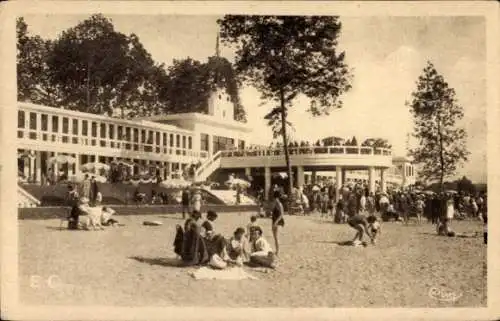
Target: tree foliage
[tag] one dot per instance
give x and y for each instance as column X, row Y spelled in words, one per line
column 97, row 68
column 376, row 143
column 33, row 82
column 191, row 83
column 442, row 143
column 287, row 56
column 94, row 68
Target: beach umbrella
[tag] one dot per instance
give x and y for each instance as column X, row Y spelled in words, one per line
column 95, row 166
column 237, row 181
column 450, row 191
column 61, row 159
column 282, row 175
column 428, row 192
column 175, row 183
column 124, row 163
column 81, row 176
column 316, row 188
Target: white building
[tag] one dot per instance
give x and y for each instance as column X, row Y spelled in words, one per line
column 165, row 144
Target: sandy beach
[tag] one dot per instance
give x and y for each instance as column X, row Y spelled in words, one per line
column 134, row 265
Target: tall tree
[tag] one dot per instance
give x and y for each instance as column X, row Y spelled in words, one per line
column 192, row 82
column 97, row 68
column 33, row 81
column 442, row 143
column 288, row 56
column 188, row 88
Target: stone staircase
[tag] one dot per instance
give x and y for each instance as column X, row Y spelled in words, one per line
column 25, row 199
column 229, row 197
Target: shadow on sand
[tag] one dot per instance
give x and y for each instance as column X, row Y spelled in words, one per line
column 162, row 261
column 341, row 243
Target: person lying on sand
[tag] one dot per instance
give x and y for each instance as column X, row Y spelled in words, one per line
column 106, row 219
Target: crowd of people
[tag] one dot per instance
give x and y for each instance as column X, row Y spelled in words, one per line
column 438, row 208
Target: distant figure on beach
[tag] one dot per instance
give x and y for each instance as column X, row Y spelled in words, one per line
column 86, row 186
column 196, row 201
column 277, row 218
column 360, row 224
column 185, row 202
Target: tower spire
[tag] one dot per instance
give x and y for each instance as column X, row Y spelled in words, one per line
column 217, row 46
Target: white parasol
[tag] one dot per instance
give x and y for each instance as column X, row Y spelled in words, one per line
column 237, row 181
column 61, row 159
column 175, row 183
column 81, row 176
column 95, row 166
column 316, row 188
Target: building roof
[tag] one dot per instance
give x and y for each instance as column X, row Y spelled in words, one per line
column 201, row 118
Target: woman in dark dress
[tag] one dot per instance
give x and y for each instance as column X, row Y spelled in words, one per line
column 277, row 218
column 75, row 211
column 194, row 250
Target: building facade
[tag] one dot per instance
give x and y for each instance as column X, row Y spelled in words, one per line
column 163, row 145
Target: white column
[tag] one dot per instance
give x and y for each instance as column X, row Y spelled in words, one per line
column 371, row 180
column 300, row 176
column 32, row 166
column 267, row 182
column 70, row 130
column 38, row 165
column 55, row 168
column 383, row 183
column 77, row 163
column 49, row 127
column 210, row 145
column 248, row 172
column 26, row 167
column 338, row 182
column 313, row 177
column 139, row 141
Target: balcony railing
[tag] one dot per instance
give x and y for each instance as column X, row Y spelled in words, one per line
column 315, row 150
column 112, row 144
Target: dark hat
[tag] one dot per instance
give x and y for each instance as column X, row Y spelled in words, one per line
column 239, row 230
column 211, row 215
column 256, row 228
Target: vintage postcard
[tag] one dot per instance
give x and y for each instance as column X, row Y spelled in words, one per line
column 249, row 160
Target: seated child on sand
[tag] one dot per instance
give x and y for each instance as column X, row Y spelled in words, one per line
column 262, row 253
column 236, row 251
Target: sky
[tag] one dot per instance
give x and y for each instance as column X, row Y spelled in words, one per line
column 387, row 54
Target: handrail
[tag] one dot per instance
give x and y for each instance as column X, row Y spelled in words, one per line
column 209, row 162
column 305, row 150
column 28, row 195
column 114, row 144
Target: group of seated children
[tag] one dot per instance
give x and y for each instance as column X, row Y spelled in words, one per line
column 199, row 244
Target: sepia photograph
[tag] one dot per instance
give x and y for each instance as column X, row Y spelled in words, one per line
column 270, row 159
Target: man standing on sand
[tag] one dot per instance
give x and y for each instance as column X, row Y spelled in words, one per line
column 86, row 187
